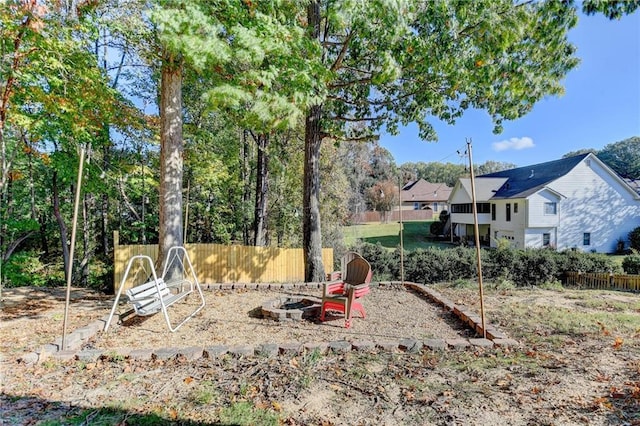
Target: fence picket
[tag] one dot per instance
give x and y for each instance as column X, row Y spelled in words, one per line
column 603, row 281
column 218, row 263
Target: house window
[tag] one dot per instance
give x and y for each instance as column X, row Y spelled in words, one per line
column 515, row 208
column 416, row 206
column 546, row 239
column 508, row 212
column 550, row 208
column 586, row 239
column 435, row 207
column 468, row 208
column 493, row 212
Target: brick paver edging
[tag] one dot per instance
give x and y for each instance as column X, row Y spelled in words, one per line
column 75, row 340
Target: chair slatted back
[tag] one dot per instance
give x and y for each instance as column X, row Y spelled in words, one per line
column 358, row 271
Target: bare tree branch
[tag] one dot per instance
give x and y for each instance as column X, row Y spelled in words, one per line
column 343, row 52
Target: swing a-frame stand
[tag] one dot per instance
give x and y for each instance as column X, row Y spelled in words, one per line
column 178, row 280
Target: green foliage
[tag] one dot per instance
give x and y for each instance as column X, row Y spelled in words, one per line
column 468, row 47
column 100, row 275
column 463, row 283
column 384, row 263
column 634, row 239
column 623, row 157
column 436, row 265
column 436, row 228
column 552, row 285
column 244, row 413
column 505, row 267
column 448, row 173
column 631, row 263
column 612, row 9
column 24, row 269
column 587, row 262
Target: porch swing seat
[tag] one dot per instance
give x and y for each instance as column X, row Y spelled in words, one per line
column 148, row 298
column 158, row 294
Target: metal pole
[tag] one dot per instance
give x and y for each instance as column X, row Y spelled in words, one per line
column 186, row 215
column 72, row 248
column 401, row 230
column 477, row 237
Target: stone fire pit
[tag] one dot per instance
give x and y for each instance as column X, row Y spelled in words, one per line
column 292, row 308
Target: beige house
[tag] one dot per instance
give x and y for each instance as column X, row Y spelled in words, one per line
column 423, row 195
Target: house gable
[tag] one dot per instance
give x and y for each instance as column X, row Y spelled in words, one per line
column 575, row 202
column 485, row 190
column 421, row 191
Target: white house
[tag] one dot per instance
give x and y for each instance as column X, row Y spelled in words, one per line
column 573, row 203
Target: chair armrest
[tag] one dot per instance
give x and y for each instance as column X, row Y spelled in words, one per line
column 333, row 288
column 334, row 276
column 359, row 290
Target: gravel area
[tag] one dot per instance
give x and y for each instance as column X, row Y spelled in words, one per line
column 234, row 318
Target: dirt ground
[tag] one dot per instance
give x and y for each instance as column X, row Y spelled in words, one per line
column 579, row 364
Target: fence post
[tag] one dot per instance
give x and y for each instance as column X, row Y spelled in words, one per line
column 611, row 280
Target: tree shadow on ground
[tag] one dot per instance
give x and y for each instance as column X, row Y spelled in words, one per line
column 23, row 410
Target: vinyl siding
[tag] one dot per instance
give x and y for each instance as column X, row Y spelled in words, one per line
column 512, row 230
column 596, row 203
column 533, row 237
column 536, row 205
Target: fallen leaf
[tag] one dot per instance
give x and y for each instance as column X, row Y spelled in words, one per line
column 261, row 405
column 188, row 380
column 618, row 343
column 603, row 329
column 616, row 393
column 276, row 406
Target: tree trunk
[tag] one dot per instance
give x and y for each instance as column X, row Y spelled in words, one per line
column 311, row 231
column 87, row 205
column 104, row 199
column 61, row 225
column 262, row 188
column 246, row 191
column 44, row 243
column 171, row 159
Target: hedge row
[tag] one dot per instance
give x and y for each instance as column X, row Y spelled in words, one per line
column 523, row 268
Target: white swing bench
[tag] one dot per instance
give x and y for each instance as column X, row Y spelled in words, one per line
column 158, row 294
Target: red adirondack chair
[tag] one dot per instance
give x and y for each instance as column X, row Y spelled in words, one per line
column 344, row 260
column 343, row 295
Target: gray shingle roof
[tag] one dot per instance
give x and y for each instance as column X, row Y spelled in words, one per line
column 524, row 181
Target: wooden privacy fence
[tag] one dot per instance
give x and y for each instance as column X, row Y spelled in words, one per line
column 604, row 281
column 218, row 263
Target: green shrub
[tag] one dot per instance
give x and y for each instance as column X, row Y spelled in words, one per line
column 587, row 262
column 383, row 262
column 634, row 238
column 504, row 265
column 24, row 269
column 436, row 265
column 100, row 276
column 631, row 263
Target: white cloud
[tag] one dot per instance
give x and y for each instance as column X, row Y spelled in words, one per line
column 513, row 143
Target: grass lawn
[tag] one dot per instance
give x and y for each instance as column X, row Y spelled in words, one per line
column 388, row 235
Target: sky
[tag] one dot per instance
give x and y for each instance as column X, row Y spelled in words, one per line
column 601, row 105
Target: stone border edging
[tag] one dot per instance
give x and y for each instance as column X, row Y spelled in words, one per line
column 75, row 340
